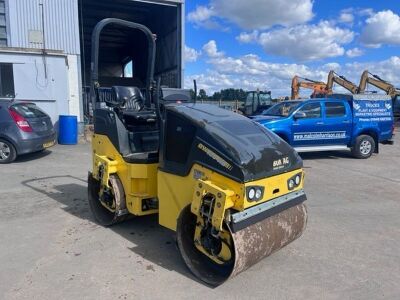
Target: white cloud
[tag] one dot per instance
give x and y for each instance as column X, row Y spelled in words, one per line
column 246, row 37
column 251, row 72
column 200, row 14
column 262, row 14
column 381, row 28
column 248, row 72
column 307, row 42
column 355, row 12
column 331, row 66
column 259, row 14
column 191, row 55
column 388, row 69
column 211, row 81
column 365, row 12
column 355, row 52
column 211, row 49
column 300, row 42
column 346, row 17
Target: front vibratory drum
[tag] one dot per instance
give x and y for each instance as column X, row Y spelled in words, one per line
column 251, row 244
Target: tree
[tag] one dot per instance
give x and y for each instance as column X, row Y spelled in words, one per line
column 216, row 96
column 229, row 95
column 203, row 94
column 192, row 95
column 241, row 95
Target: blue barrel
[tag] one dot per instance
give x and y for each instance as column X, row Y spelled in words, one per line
column 68, row 130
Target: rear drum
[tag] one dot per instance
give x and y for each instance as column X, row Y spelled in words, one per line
column 102, row 215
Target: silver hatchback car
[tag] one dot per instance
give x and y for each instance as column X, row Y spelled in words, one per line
column 24, row 128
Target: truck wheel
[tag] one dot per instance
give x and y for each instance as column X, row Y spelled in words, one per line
column 363, row 147
column 7, row 152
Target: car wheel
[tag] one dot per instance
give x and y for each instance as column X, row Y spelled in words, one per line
column 364, row 147
column 7, row 152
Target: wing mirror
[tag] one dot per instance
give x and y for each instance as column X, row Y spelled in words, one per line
column 299, row 115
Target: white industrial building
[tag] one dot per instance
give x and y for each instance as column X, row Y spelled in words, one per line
column 45, row 48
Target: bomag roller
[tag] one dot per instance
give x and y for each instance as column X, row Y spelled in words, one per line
column 230, row 189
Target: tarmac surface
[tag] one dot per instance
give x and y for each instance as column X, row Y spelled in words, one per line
column 50, row 247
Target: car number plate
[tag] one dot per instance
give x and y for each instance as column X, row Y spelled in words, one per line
column 49, row 144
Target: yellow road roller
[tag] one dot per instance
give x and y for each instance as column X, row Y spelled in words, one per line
column 230, row 189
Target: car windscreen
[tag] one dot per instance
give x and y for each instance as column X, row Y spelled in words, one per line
column 28, row 110
column 265, row 99
column 282, row 109
column 249, row 99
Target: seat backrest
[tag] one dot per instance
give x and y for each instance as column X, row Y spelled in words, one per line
column 129, row 97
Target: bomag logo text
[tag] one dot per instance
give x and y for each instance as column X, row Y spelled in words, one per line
column 215, row 156
column 280, row 163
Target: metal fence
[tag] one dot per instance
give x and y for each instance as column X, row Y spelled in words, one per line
column 228, row 104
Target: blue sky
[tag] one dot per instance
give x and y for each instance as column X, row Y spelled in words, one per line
column 264, row 43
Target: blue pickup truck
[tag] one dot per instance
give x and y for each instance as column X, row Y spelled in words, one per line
column 356, row 122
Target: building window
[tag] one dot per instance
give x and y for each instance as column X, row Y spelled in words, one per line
column 7, row 81
column 3, row 24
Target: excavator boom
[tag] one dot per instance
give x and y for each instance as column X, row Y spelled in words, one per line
column 318, row 87
column 375, row 80
column 388, row 88
column 333, row 78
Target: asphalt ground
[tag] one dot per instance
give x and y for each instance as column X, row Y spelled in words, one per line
column 50, row 247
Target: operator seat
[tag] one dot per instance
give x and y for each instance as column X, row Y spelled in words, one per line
column 131, row 106
column 129, row 97
column 141, row 124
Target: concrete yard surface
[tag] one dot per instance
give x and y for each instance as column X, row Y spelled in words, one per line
column 51, row 248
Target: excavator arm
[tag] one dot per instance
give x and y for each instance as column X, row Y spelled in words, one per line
column 318, row 87
column 342, row 81
column 375, row 80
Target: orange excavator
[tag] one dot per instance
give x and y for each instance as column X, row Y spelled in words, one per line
column 333, row 78
column 318, row 87
column 321, row 88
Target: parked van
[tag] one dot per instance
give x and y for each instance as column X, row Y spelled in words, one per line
column 356, row 122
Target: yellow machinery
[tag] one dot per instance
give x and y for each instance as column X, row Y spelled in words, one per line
column 256, row 102
column 375, row 80
column 230, row 189
column 318, row 87
column 342, row 81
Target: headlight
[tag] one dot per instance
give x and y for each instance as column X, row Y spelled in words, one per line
column 294, row 181
column 258, row 193
column 254, row 193
column 291, row 184
column 297, row 179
